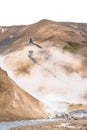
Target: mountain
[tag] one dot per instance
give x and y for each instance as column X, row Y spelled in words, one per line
column 15, row 103
column 48, row 59
column 71, row 36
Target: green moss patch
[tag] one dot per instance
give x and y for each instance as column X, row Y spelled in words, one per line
column 72, row 46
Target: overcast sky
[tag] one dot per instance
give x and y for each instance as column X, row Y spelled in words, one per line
column 15, row 12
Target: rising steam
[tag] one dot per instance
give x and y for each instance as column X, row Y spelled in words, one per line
column 55, row 80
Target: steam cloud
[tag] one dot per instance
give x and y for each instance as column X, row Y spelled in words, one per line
column 55, row 81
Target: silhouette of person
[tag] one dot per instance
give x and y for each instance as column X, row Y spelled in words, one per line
column 30, row 40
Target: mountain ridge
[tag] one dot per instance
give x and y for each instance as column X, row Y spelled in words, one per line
column 14, row 37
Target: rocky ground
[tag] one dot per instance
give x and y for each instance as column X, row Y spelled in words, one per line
column 79, row 124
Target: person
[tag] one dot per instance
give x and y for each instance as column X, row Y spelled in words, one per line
column 30, row 53
column 30, row 40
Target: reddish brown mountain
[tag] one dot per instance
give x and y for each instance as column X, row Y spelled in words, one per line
column 71, row 36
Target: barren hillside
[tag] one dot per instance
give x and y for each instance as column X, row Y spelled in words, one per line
column 15, row 103
column 71, row 36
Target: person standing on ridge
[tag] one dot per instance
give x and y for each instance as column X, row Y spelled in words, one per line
column 31, row 40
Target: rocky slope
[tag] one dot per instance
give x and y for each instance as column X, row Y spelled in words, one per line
column 15, row 103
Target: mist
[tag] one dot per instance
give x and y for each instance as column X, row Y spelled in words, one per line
column 56, row 80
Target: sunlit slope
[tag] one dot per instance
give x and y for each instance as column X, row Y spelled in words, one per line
column 15, row 103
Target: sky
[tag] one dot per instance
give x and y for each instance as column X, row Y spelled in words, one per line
column 16, row 12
